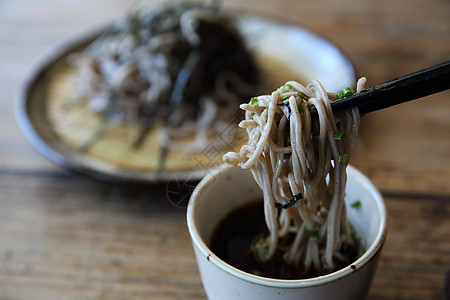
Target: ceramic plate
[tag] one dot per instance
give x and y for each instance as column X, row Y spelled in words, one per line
column 285, row 52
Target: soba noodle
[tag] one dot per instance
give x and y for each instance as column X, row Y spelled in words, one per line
column 182, row 66
column 300, row 165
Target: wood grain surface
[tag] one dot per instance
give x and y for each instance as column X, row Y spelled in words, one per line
column 66, row 236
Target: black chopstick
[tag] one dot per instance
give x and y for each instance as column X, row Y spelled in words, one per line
column 406, row 88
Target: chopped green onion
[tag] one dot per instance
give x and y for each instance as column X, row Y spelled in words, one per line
column 356, row 204
column 302, row 95
column 291, row 89
column 311, row 232
column 339, row 136
column 354, row 233
column 284, row 102
column 314, row 234
column 300, row 108
column 254, row 102
column 259, row 251
column 343, row 158
column 342, row 230
column 348, row 91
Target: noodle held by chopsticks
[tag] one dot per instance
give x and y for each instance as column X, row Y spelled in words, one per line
column 300, row 165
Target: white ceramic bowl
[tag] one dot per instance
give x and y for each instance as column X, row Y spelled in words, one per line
column 230, row 187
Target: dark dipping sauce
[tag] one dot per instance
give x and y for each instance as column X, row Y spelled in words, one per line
column 234, row 237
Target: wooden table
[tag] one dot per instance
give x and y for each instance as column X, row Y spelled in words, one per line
column 66, row 236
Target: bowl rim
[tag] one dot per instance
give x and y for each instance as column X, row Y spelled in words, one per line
column 368, row 255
